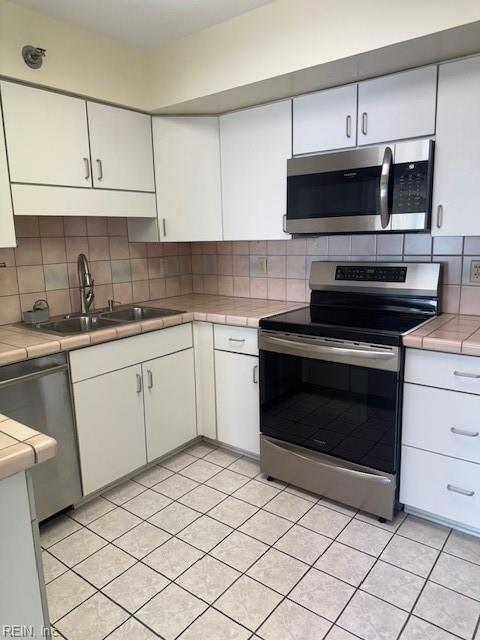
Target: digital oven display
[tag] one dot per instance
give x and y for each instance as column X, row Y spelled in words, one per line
column 364, row 273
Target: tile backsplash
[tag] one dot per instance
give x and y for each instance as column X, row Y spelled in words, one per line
column 279, row 269
column 44, row 265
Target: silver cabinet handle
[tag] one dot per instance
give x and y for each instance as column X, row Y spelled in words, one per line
column 139, row 383
column 466, row 374
column 150, row 379
column 100, row 169
column 164, row 227
column 385, row 187
column 296, row 348
column 460, row 490
column 255, row 374
column 348, row 126
column 240, row 340
column 364, row 123
column 87, row 168
column 284, row 223
column 464, row 432
column 439, row 216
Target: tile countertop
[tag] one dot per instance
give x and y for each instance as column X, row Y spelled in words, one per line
column 17, row 342
column 22, row 447
column 448, row 332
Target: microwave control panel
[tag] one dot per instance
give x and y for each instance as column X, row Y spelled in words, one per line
column 368, row 273
column 410, row 187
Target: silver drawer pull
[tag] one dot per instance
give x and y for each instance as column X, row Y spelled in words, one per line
column 239, row 340
column 463, row 492
column 466, row 374
column 463, row 432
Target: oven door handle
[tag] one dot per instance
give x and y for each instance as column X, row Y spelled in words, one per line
column 293, row 347
column 385, row 187
column 370, row 477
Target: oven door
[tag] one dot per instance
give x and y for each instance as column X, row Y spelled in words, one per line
column 334, row 397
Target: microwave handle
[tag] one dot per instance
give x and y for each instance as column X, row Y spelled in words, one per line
column 385, row 187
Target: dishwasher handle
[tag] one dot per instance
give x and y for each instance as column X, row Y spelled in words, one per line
column 45, row 371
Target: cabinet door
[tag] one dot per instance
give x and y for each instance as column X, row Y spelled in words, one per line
column 238, row 413
column 205, row 379
column 121, row 143
column 255, row 145
column 7, row 229
column 187, row 175
column 169, row 402
column 325, row 120
column 456, row 202
column 111, row 430
column 47, row 137
column 401, row 105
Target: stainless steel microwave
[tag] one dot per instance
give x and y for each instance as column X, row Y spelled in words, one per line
column 375, row 189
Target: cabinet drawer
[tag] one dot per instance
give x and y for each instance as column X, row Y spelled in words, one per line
column 430, row 415
column 93, row 361
column 430, row 482
column 445, row 370
column 237, row 339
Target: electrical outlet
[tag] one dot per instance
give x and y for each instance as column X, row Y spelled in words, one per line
column 475, row 271
column 261, row 264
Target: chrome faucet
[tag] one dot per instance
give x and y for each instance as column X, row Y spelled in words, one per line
column 86, row 283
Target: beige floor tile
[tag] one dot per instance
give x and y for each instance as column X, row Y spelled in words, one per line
column 173, row 558
column 289, row 621
column 142, row 540
column 205, row 533
column 464, row 546
column 201, row 470
column 227, row 481
column 200, row 450
column 133, row 588
column 336, row 633
column 202, row 498
column 245, row 466
column 449, row 610
column 153, row 476
column 212, row 624
column 371, row 618
column 394, row 585
column 114, row 524
column 208, row 578
column 391, row 526
column 256, row 493
column 52, row 568
column 239, row 550
column 57, row 529
column 301, row 493
column 278, row 571
column 417, row 629
column 174, row 518
column 410, row 555
column 288, row 506
column 337, row 506
column 222, row 457
column 132, row 630
column 178, row 461
column 175, row 487
column 457, row 574
column 303, row 544
column 66, row 592
column 365, row 537
column 325, row 521
column 322, row 594
column 146, row 504
column 122, row 493
column 345, row 563
column 94, row 619
column 423, row 531
column 266, row 527
column 171, row 611
column 232, row 511
column 91, row 510
column 248, row 602
column 77, row 547
column 104, row 565
column 261, row 477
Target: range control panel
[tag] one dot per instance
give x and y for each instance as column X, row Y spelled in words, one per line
column 368, row 273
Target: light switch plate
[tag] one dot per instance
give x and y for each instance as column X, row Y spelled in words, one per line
column 475, row 271
column 261, row 264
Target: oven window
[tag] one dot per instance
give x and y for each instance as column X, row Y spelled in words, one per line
column 341, row 410
column 333, row 194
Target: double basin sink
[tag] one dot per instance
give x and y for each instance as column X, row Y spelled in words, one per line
column 102, row 319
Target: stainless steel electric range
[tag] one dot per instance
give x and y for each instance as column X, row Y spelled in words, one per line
column 331, row 377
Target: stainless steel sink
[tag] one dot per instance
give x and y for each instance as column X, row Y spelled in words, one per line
column 76, row 324
column 135, row 314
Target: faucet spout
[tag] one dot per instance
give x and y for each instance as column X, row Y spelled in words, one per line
column 85, row 281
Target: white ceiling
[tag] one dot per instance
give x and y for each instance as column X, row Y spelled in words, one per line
column 143, row 23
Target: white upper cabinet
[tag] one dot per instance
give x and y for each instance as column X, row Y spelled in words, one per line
column 325, row 120
column 187, row 172
column 121, row 144
column 397, row 106
column 7, row 228
column 456, row 200
column 255, row 146
column 47, row 137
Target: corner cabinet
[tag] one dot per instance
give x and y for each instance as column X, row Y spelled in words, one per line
column 456, row 200
column 255, row 146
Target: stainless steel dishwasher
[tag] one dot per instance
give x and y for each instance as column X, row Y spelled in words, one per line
column 37, row 393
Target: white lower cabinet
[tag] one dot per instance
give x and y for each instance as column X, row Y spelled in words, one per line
column 110, row 426
column 169, row 402
column 237, row 398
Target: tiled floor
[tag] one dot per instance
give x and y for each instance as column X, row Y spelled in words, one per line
column 205, row 548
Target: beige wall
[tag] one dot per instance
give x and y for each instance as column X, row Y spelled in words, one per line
column 77, row 61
